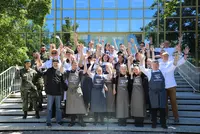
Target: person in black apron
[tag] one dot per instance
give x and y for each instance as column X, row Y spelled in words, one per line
column 75, row 104
column 122, row 98
column 98, row 96
column 157, row 92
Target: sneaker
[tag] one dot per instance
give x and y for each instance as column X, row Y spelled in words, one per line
column 176, row 120
column 60, row 123
column 164, row 126
column 71, row 124
column 49, row 125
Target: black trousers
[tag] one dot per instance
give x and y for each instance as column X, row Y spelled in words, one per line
column 99, row 115
column 74, row 116
column 139, row 121
column 162, row 115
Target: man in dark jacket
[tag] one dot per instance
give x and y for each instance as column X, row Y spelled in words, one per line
column 53, row 88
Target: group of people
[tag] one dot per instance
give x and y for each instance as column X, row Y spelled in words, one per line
column 107, row 81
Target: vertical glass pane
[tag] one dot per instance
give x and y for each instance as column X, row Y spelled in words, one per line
column 109, row 4
column 68, row 13
column 109, row 14
column 84, row 38
column 188, row 24
column 58, row 25
column 150, row 25
column 68, row 3
column 172, row 37
column 95, row 13
column 189, row 2
column 83, row 26
column 189, row 11
column 136, row 25
column 122, row 25
column 95, row 3
column 109, row 25
column 58, row 3
column 161, row 37
column 82, row 3
column 136, row 3
column 50, row 25
column 51, row 15
column 137, row 13
column 149, row 3
column 81, row 13
column 150, row 13
column 52, row 4
column 95, row 25
column 123, row 13
column 57, row 13
column 172, row 24
column 123, row 4
column 176, row 13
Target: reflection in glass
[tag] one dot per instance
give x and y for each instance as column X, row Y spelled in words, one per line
column 109, row 14
column 58, row 14
column 109, row 3
column 150, row 25
column 150, row 13
column 137, row 13
column 95, row 13
column 123, row 13
column 83, row 25
column 109, row 25
column 149, row 3
column 95, row 25
column 172, row 37
column 58, row 3
column 123, row 4
column 161, row 37
column 188, row 24
column 172, row 24
column 50, row 25
column 136, row 3
column 176, row 13
column 122, row 25
column 136, row 25
column 58, row 25
column 95, row 3
column 68, row 13
column 52, row 4
column 82, row 3
column 81, row 13
column 68, row 3
column 51, row 15
column 189, row 2
column 189, row 11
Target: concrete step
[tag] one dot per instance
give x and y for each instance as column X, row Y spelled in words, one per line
column 187, row 96
column 90, row 127
column 184, row 89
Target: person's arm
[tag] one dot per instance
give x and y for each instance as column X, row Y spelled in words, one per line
column 85, row 65
column 76, row 39
column 89, row 70
column 61, row 45
column 135, row 47
column 153, row 53
column 148, row 51
column 115, row 44
column 108, row 68
column 129, row 64
column 129, row 49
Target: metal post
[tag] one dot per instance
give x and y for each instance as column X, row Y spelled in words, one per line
column 197, row 37
column 158, row 24
column 55, row 17
column 164, row 23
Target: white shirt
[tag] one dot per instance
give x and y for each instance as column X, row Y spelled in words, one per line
column 169, row 78
column 48, row 64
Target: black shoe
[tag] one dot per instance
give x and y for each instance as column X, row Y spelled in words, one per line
column 60, row 123
column 71, row 124
column 164, row 126
column 95, row 123
column 25, row 115
column 82, row 124
column 139, row 125
column 153, row 126
column 176, row 120
column 49, row 125
column 37, row 115
column 30, row 107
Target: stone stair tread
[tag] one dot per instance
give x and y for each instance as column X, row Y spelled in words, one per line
column 90, row 127
column 188, row 102
column 187, row 95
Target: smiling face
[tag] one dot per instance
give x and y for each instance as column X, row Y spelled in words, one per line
column 74, row 65
column 99, row 70
column 123, row 69
column 136, row 70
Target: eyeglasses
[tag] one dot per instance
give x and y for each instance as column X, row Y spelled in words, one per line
column 54, row 53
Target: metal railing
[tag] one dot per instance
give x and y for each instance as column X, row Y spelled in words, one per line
column 7, row 80
column 191, row 74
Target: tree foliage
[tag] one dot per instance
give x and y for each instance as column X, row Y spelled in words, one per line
column 17, row 17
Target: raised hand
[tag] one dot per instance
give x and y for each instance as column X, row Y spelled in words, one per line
column 147, row 46
column 162, row 45
column 178, row 48
column 132, row 40
column 186, row 50
column 152, row 48
column 129, row 45
column 57, row 37
column 17, row 67
column 180, row 39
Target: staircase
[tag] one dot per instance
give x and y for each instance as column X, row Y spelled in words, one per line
column 188, row 106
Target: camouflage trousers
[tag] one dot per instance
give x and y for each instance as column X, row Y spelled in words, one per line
column 39, row 90
column 29, row 95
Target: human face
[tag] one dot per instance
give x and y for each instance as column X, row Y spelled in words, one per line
column 155, row 66
column 54, row 54
column 27, row 65
column 120, row 58
column 149, row 62
column 99, row 71
column 91, row 44
column 136, row 70
column 55, row 65
column 74, row 65
column 165, row 57
column 107, row 47
column 123, row 70
column 105, row 58
column 112, row 49
column 166, row 44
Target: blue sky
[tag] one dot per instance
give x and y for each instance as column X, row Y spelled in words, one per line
column 97, row 24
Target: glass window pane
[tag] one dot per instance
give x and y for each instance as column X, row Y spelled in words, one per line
column 52, row 4
column 58, row 25
column 189, row 2
column 95, row 25
column 188, row 24
column 136, row 25
column 64, row 29
column 68, row 3
column 172, row 24
column 172, row 37
column 150, row 25
column 122, row 25
column 51, row 15
column 95, row 13
column 189, row 11
column 57, row 13
column 68, row 13
column 109, row 14
column 109, row 25
column 82, row 3
column 150, row 13
column 95, row 3
column 137, row 13
column 123, row 13
column 123, row 4
column 58, row 3
column 176, row 13
column 50, row 25
column 149, row 3
column 83, row 26
column 109, row 4
column 136, row 3
column 81, row 13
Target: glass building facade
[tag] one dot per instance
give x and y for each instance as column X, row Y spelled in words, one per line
column 125, row 19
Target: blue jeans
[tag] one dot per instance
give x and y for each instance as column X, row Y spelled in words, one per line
column 50, row 100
